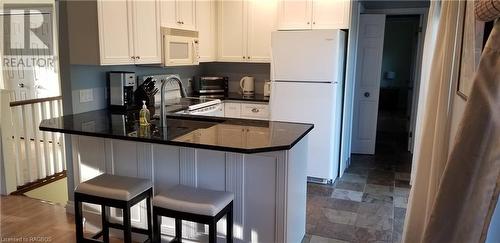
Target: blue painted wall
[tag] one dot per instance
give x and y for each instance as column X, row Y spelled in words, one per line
column 94, row 77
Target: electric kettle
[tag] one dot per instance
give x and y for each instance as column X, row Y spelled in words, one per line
column 247, row 84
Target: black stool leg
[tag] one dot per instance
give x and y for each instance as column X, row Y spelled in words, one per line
column 79, row 221
column 178, row 230
column 150, row 226
column 105, row 227
column 229, row 223
column 212, row 231
column 127, row 226
column 156, row 227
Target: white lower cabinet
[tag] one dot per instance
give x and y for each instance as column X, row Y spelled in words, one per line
column 232, row 110
column 259, row 111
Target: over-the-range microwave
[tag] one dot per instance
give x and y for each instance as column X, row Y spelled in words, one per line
column 179, row 47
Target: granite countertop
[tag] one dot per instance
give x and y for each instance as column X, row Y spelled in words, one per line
column 215, row 133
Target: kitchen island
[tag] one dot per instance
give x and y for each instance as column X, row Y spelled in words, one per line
column 262, row 162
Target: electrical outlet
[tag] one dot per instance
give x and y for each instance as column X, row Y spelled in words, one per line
column 86, row 95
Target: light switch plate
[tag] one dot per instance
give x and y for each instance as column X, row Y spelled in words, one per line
column 86, row 95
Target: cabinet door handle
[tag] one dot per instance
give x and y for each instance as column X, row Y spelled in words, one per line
column 179, row 22
column 248, row 57
column 308, row 23
column 138, row 57
column 314, row 22
column 133, row 57
column 244, row 57
column 255, row 110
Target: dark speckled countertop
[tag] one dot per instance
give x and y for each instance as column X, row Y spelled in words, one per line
column 215, row 133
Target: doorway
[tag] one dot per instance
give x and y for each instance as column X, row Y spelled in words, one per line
column 386, row 87
column 397, row 84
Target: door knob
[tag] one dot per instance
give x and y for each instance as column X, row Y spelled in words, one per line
column 367, row 94
column 21, row 85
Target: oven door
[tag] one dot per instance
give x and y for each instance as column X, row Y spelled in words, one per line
column 180, row 50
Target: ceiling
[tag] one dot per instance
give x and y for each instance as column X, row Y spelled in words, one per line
column 387, row 4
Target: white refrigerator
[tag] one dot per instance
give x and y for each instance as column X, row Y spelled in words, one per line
column 307, row 73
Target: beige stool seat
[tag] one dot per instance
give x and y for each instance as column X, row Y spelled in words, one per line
column 193, row 200
column 114, row 187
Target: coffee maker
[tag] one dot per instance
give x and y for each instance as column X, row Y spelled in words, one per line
column 121, row 87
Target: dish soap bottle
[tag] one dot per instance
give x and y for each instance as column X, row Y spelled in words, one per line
column 144, row 115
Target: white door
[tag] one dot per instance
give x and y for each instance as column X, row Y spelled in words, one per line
column 261, row 22
column 310, row 103
column 206, row 13
column 368, row 75
column 146, row 19
column 331, row 14
column 307, row 56
column 186, row 14
column 115, row 32
column 294, row 14
column 232, row 31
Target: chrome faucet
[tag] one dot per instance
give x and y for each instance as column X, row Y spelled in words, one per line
column 164, row 81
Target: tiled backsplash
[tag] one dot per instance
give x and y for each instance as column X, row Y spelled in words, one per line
column 235, row 71
column 94, row 78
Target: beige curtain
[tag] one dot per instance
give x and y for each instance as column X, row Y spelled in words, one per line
column 434, row 112
column 469, row 189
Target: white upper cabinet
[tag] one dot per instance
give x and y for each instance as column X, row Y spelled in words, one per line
column 206, row 24
column 103, row 32
column 180, row 14
column 313, row 14
column 331, row 14
column 232, row 31
column 261, row 22
column 294, row 14
column 245, row 30
column 115, row 37
column 146, row 25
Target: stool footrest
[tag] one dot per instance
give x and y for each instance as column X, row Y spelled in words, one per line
column 133, row 229
column 98, row 235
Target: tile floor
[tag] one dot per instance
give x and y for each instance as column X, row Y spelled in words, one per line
column 368, row 204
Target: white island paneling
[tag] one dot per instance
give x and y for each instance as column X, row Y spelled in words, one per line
column 269, row 188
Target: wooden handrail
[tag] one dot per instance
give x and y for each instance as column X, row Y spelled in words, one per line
column 34, row 101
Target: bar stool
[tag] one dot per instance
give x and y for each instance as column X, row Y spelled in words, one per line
column 113, row 191
column 196, row 205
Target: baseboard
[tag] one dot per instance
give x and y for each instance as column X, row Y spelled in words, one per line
column 319, row 180
column 39, row 183
column 70, row 207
